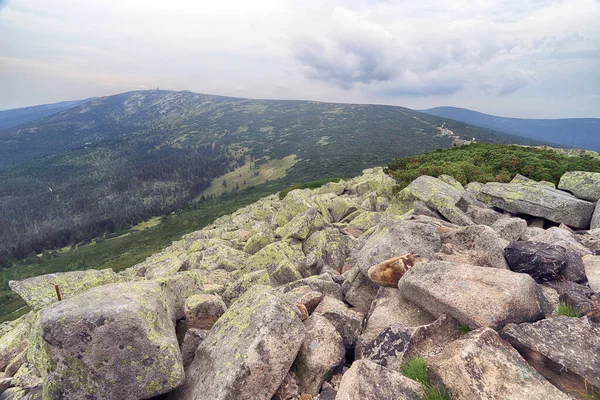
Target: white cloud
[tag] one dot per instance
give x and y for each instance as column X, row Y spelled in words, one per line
column 424, row 53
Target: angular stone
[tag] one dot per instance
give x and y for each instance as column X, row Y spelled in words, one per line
column 257, row 241
column 394, row 238
column 543, row 262
column 327, row 248
column 302, row 225
column 390, row 308
column 191, row 341
column 14, row 341
column 549, row 300
column 592, row 271
column 527, row 181
column 366, row 380
column 294, row 203
column 481, row 365
column 179, row 287
column 203, row 310
column 242, row 285
column 484, row 216
column 276, row 254
column 538, row 201
column 399, row 343
column 306, row 296
column 583, row 184
column 580, row 297
column 347, row 322
column 322, row 283
column 39, row 291
column 288, row 389
column 510, row 229
column 477, row 245
column 595, row 223
column 438, row 195
column 221, row 256
column 531, row 232
column 249, row 351
column 359, row 290
column 476, row 296
column 452, row 182
column 389, row 272
column 320, row 355
column 116, row 339
column 565, row 350
column 340, row 207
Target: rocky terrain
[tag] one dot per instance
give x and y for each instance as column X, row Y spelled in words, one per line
column 329, row 294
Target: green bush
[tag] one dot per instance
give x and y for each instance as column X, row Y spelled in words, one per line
column 568, row 310
column 484, row 162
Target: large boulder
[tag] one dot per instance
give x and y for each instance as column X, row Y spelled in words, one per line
column 481, row 365
column 347, row 321
column 538, row 201
column 320, row 355
column 302, row 225
column 398, row 343
column 477, row 245
column 583, row 184
column 390, row 308
column 115, row 340
column 438, row 195
column 395, row 238
column 565, row 350
column 221, row 256
column 295, row 202
column 248, row 352
column 510, row 229
column 203, row 310
column 543, row 262
column 15, row 341
column 366, row 380
column 40, row 291
column 359, row 290
column 476, row 296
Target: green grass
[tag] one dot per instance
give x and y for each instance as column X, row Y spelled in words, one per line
column 568, row 310
column 484, row 162
column 416, row 369
column 125, row 250
column 463, row 329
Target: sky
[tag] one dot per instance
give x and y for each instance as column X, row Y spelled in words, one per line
column 515, row 58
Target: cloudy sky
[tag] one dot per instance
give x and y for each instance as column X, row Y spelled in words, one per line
column 520, row 58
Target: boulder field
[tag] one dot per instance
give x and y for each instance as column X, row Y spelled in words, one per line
column 329, row 294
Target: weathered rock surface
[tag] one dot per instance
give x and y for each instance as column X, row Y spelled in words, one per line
column 438, row 195
column 191, row 341
column 483, row 216
column 538, row 201
column 592, row 271
column 304, row 295
column 389, row 272
column 15, row 341
column 359, row 290
column 390, row 308
column 565, row 350
column 347, row 321
column 481, row 365
column 510, row 229
column 115, row 340
column 477, row 245
column 476, row 296
column 583, row 184
column 543, row 262
column 248, row 352
column 321, row 353
column 399, row 343
column 203, row 310
column 366, row 380
column 39, row 291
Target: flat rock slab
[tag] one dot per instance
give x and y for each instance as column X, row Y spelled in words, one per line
column 543, row 262
column 583, row 184
column 117, row 340
column 476, row 296
column 481, row 365
column 39, row 291
column 366, row 380
column 248, row 352
column 538, row 201
column 565, row 350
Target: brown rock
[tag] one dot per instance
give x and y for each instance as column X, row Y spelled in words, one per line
column 306, row 296
column 203, row 310
column 303, row 311
column 389, row 272
column 481, row 365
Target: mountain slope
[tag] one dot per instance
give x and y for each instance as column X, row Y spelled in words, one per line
column 573, row 132
column 18, row 116
column 114, row 161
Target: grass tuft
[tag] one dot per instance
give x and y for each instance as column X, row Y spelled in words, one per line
column 416, row 369
column 568, row 310
column 463, row 329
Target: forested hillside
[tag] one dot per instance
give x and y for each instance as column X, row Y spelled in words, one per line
column 10, row 118
column 112, row 162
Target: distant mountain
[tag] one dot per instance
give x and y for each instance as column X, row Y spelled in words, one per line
column 113, row 161
column 573, row 132
column 18, row 116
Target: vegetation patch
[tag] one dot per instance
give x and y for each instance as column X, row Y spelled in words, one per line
column 463, row 329
column 250, row 174
column 568, row 310
column 416, row 369
column 485, row 162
